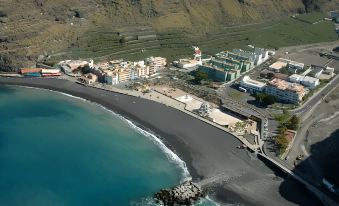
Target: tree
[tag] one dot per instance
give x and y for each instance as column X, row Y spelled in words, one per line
column 260, row 97
column 282, row 129
column 293, row 123
column 269, row 100
column 282, row 143
column 264, row 99
column 199, row 76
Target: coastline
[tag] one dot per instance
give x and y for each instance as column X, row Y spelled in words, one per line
column 207, row 151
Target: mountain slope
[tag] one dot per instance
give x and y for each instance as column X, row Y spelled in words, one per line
column 33, row 27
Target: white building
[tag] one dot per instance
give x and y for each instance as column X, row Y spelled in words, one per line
column 307, row 81
column 253, row 57
column 329, row 71
column 251, row 85
column 310, row 82
column 295, row 66
column 295, row 78
column 259, row 55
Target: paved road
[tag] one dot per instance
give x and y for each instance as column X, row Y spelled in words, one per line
column 317, row 98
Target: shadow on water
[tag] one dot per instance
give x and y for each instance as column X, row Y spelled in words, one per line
column 323, row 162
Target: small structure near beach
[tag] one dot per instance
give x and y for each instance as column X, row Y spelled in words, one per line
column 187, row 193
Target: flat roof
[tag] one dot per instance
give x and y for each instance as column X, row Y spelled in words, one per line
column 248, row 80
column 294, row 63
column 284, row 85
column 278, row 65
column 236, row 110
column 310, row 79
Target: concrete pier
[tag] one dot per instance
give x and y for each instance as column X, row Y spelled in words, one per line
column 187, row 193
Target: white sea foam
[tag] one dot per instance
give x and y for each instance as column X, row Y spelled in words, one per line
column 156, row 140
column 169, row 153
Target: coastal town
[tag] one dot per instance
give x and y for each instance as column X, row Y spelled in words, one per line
column 264, row 97
column 261, row 74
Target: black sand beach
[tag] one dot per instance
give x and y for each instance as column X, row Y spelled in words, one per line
column 206, row 150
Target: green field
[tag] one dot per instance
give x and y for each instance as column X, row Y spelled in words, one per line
column 103, row 43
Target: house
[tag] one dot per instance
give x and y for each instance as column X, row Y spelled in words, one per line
column 251, row 85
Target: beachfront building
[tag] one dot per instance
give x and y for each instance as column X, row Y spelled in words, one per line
column 155, row 64
column 88, row 79
column 251, row 85
column 307, row 81
column 140, row 72
column 31, row 72
column 286, row 91
column 73, row 67
column 111, row 77
column 50, row 72
column 124, row 74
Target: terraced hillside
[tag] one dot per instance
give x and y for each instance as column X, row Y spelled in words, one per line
column 136, row 28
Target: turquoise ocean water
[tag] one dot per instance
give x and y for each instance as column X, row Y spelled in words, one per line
column 61, row 151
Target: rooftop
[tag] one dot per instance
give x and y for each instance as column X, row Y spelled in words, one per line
column 278, row 65
column 284, row 85
column 252, row 82
column 310, row 79
column 294, row 63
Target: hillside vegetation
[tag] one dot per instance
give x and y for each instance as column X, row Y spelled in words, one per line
column 96, row 28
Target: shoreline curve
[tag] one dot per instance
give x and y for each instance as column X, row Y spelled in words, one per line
column 206, row 150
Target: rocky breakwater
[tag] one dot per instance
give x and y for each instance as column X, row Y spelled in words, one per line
column 187, row 193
